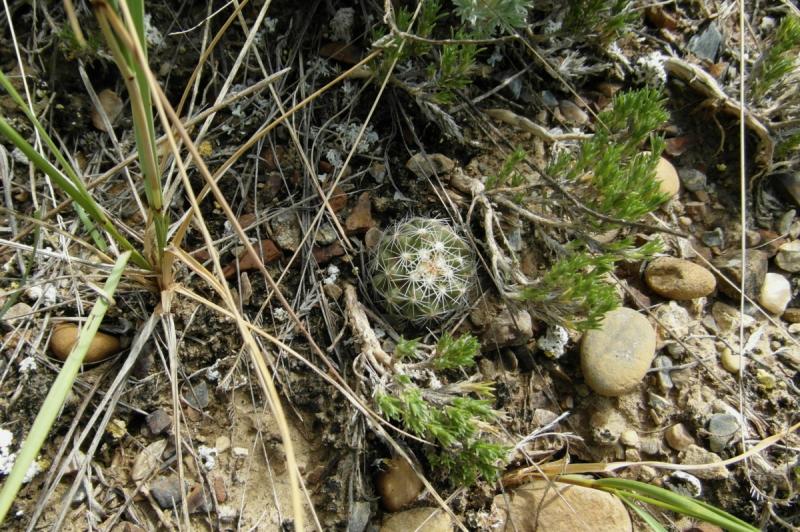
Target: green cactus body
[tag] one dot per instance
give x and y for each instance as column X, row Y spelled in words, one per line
column 422, row 270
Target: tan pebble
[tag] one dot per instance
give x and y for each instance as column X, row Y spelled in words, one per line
column 679, row 279
column 629, row 438
column 731, row 362
column 65, row 336
column 112, row 106
column 685, row 221
column 678, row 437
column 397, row 484
column 667, row 176
column 792, row 315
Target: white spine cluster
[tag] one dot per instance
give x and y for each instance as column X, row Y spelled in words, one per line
column 422, row 270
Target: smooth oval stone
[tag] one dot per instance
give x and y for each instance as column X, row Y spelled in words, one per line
column 679, row 279
column 616, row 357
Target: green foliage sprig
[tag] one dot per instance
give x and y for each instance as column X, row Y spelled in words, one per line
column 486, row 17
column 779, row 60
column 601, row 19
column 448, row 416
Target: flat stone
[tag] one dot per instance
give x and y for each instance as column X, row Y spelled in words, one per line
column 776, row 293
column 679, row 279
column 286, row 231
column 694, row 454
column 616, row 357
column 572, row 113
column 505, row 329
column 692, row 179
column 197, row 395
column 542, row 506
column 722, row 430
column 16, row 311
column 427, row 519
column 788, row 257
column 607, row 425
column 706, row 44
column 730, row 265
column 360, row 218
column 158, row 421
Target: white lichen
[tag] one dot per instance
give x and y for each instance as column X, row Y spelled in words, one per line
column 341, row 25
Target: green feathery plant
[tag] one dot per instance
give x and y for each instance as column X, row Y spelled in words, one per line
column 601, row 19
column 488, row 17
column 778, row 65
column 612, row 176
column 447, row 416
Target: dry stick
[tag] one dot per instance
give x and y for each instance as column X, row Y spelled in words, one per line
column 365, row 336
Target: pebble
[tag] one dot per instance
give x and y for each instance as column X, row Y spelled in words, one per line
column 607, row 424
column 325, row 235
column 397, row 484
column 731, row 362
column 664, row 364
column 148, row 460
column 684, row 484
column 679, row 279
column 286, row 231
column 692, row 179
column 360, row 219
column 667, row 176
column 504, row 329
column 722, row 430
column 673, row 319
column 197, row 395
column 572, row 113
column 766, row 379
column 694, row 454
column 776, row 293
column 426, row 166
column 427, row 518
column 727, row 317
column 18, row 310
column 616, row 357
column 715, row 238
column 678, row 437
column 730, row 265
column 112, row 106
column 554, row 343
column 65, row 336
column 158, row 421
column 629, row 438
column 167, row 492
column 542, row 505
column 706, row 44
column 788, row 257
column 792, row 315
column 358, row 517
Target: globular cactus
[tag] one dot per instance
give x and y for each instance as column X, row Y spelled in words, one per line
column 422, row 270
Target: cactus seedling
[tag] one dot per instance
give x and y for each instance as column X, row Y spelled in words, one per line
column 422, row 270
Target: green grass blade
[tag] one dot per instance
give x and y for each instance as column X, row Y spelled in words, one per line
column 646, row 516
column 59, row 390
column 81, row 197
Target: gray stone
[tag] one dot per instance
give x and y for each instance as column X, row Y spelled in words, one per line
column 507, row 329
column 788, row 257
column 428, row 519
column 543, row 506
column 776, row 293
column 197, row 396
column 691, row 179
column 664, row 365
column 285, row 231
column 706, row 44
column 166, row 492
column 722, row 430
column 679, row 279
column 684, row 484
column 616, row 357
column 730, row 265
column 715, row 238
column 158, row 421
column 17, row 311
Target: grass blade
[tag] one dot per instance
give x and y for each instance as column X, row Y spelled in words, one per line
column 59, row 390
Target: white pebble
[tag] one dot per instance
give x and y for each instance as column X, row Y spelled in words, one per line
column 776, row 293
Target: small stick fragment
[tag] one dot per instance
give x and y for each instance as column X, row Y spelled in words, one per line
column 528, row 125
column 362, row 330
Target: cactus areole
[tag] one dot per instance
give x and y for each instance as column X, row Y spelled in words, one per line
column 423, row 271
